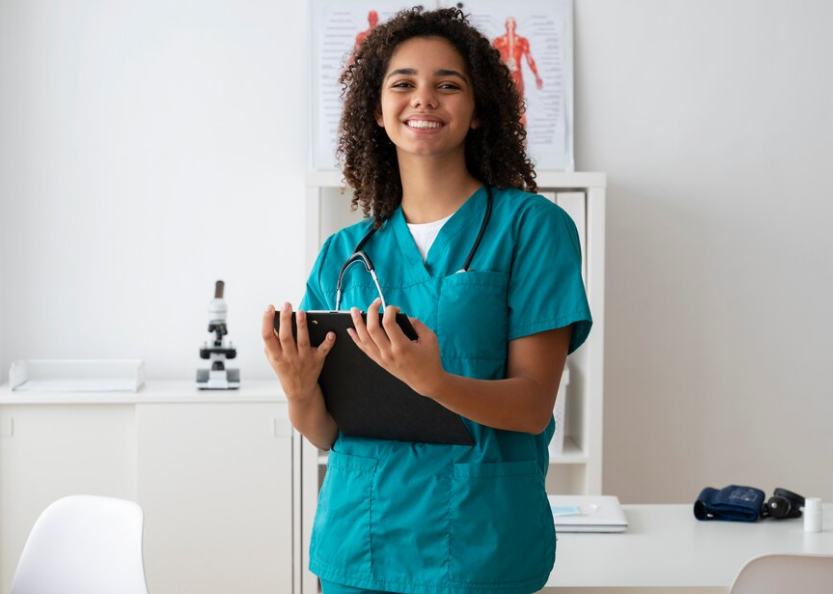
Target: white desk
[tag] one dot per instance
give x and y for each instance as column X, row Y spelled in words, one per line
column 665, row 546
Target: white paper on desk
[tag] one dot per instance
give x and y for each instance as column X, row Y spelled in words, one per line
column 78, row 385
column 608, row 517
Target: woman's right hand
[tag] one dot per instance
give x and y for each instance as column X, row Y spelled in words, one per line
column 297, row 365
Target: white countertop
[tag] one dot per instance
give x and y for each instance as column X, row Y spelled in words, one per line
column 666, row 546
column 154, row 392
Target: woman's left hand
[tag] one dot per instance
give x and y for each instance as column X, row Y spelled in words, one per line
column 415, row 362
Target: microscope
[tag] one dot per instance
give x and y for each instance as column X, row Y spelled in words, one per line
column 218, row 377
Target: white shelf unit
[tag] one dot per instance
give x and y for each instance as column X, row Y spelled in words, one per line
column 578, row 470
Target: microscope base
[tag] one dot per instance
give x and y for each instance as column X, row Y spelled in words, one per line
column 223, row 379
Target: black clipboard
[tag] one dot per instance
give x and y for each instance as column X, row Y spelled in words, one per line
column 367, row 401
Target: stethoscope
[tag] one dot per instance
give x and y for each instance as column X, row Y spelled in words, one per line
column 360, row 256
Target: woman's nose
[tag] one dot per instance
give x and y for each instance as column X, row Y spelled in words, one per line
column 424, row 97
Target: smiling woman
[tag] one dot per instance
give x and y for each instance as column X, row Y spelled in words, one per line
column 490, row 275
column 427, row 104
column 494, row 144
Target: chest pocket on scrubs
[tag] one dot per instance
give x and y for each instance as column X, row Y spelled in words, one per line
column 345, row 511
column 501, row 526
column 472, row 317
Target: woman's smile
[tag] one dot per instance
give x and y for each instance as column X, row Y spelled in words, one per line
column 422, row 125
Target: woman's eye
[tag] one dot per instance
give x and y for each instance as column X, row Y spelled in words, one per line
column 444, row 86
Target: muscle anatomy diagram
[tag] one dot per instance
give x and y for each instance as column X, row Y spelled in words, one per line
column 513, row 50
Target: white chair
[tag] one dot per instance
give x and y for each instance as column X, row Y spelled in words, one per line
column 785, row 574
column 84, row 544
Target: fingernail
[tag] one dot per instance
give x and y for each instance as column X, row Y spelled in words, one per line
column 285, row 307
column 268, row 308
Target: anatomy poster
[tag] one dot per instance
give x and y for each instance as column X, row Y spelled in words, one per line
column 535, row 41
column 534, row 37
column 338, row 28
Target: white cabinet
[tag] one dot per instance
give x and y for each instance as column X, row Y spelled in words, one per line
column 215, row 475
column 579, row 469
column 48, row 452
column 215, row 484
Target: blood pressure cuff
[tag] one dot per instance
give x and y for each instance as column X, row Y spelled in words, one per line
column 733, row 503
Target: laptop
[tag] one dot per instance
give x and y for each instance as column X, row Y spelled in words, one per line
column 587, row 513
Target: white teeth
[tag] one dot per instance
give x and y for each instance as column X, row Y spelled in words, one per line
column 423, row 124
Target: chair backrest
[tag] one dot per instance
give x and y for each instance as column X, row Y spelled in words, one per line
column 777, row 574
column 84, row 544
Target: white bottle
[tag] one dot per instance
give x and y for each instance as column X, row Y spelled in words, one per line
column 812, row 514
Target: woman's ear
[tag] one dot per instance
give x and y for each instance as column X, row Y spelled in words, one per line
column 475, row 123
column 377, row 113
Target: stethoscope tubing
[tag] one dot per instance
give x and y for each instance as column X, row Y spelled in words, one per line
column 359, row 255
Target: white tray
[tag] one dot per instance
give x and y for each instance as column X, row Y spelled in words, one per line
column 77, row 375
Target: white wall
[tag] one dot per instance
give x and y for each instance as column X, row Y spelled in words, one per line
column 150, row 148
column 713, row 121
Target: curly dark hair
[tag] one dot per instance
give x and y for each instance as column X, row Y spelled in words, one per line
column 495, row 150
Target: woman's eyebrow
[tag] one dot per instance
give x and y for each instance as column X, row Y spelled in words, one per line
column 405, row 71
column 450, row 73
column 413, row 72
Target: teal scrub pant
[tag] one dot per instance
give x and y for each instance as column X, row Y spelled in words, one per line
column 333, row 588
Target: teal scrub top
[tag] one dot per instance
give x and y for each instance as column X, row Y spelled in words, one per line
column 449, row 519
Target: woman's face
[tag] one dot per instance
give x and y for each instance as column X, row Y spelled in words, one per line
column 427, row 102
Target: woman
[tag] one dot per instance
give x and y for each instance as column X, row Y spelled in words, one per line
column 431, row 142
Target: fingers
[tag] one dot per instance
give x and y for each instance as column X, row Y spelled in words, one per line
column 359, row 331
column 285, row 333
column 283, row 353
column 325, row 347
column 360, row 335
column 302, row 331
column 374, row 327
column 267, row 330
column 267, row 326
column 397, row 337
column 303, row 340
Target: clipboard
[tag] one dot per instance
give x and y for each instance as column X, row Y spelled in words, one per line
column 367, row 401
